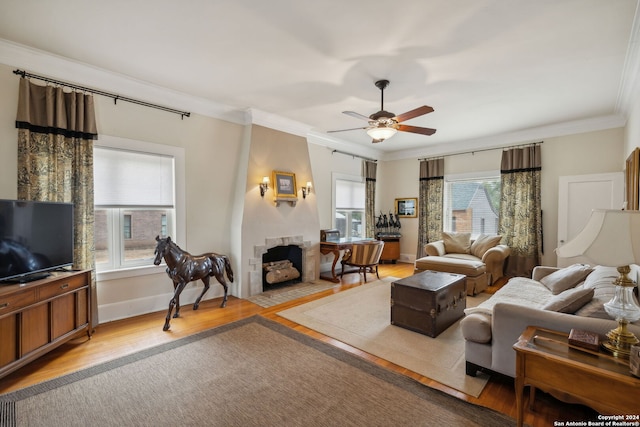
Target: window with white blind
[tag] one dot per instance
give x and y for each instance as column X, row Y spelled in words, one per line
column 349, row 207
column 135, row 201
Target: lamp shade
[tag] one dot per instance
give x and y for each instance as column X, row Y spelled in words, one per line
column 382, row 132
column 610, row 238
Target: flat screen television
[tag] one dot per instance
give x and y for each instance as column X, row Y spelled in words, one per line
column 35, row 238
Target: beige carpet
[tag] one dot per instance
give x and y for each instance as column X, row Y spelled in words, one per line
column 361, row 317
column 252, row 372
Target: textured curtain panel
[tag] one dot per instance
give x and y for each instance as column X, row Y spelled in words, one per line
column 369, row 172
column 430, row 203
column 520, row 221
column 56, row 130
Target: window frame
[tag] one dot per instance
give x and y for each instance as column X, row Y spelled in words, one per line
column 345, row 177
column 178, row 154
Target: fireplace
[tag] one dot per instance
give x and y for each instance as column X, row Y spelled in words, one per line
column 292, row 248
column 281, row 266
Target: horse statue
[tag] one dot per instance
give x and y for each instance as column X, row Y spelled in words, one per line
column 182, row 268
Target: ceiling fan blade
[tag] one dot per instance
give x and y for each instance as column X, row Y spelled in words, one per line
column 425, row 109
column 415, row 129
column 356, row 115
column 344, row 130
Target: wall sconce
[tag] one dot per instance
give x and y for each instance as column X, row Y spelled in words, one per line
column 306, row 190
column 264, row 185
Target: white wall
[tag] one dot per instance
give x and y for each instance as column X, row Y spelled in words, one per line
column 211, row 159
column 217, row 157
column 273, row 150
column 593, row 152
column 632, row 129
column 325, row 164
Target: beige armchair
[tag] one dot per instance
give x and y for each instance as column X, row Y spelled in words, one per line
column 482, row 260
column 365, row 256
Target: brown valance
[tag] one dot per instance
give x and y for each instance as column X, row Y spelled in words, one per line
column 51, row 110
column 369, row 170
column 431, row 169
column 521, row 159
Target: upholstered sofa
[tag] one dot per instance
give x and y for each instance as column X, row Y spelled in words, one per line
column 550, row 299
column 481, row 260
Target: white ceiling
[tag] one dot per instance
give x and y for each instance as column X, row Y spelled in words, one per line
column 487, row 67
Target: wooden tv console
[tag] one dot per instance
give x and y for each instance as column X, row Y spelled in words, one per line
column 38, row 316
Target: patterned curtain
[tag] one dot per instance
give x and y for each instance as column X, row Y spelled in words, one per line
column 430, row 203
column 56, row 130
column 369, row 171
column 520, row 221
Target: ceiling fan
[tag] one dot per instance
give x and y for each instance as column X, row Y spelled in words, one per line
column 383, row 124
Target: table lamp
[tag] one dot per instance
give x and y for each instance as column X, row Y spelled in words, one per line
column 612, row 238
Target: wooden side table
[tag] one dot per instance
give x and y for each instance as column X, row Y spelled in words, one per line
column 391, row 250
column 545, row 360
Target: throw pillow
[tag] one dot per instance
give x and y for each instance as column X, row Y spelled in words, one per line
column 569, row 301
column 457, row 243
column 483, row 243
column 566, row 278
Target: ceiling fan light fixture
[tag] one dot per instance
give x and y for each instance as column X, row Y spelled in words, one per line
column 380, row 133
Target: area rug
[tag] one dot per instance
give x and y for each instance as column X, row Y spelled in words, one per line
column 253, row 372
column 361, row 317
column 288, row 293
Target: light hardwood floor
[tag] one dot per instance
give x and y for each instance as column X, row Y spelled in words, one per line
column 115, row 339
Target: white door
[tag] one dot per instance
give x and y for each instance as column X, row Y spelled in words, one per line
column 578, row 195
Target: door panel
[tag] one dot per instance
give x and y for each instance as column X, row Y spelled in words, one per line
column 578, row 196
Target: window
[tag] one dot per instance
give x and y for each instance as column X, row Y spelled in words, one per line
column 349, row 207
column 472, row 203
column 135, row 201
column 163, row 225
column 127, row 226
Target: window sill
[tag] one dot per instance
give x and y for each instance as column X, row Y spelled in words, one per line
column 124, row 273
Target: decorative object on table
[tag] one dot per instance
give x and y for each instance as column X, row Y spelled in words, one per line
column 284, row 187
column 182, row 268
column 388, row 225
column 612, row 238
column 407, row 207
column 585, row 339
column 330, row 235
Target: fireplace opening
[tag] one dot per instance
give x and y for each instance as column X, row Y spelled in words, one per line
column 281, row 266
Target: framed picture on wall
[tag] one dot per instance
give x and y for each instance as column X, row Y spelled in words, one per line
column 284, row 184
column 632, row 180
column 407, row 207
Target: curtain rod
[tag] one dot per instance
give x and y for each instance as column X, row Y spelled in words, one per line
column 115, row 97
column 353, row 155
column 484, row 149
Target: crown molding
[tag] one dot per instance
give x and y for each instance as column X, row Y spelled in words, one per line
column 629, row 80
column 58, row 67
column 325, row 140
column 45, row 63
column 502, row 140
column 273, row 121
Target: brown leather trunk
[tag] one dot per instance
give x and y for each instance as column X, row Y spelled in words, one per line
column 428, row 302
